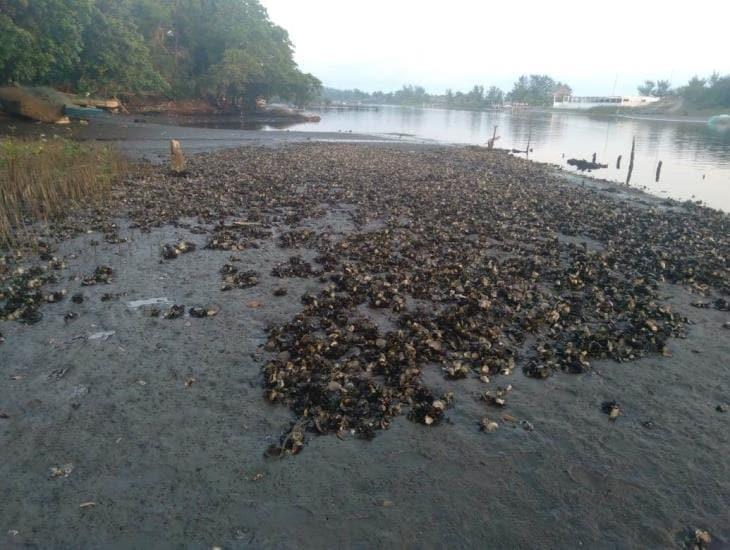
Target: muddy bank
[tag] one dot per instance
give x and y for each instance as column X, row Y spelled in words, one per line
column 149, row 138
column 166, row 422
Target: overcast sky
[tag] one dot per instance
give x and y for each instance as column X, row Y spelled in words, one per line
column 382, row 44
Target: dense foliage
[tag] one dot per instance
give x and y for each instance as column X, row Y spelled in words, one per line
column 226, row 49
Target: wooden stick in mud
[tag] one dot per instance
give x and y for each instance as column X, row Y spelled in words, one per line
column 618, row 162
column 177, row 159
column 527, row 151
column 658, row 171
column 631, row 161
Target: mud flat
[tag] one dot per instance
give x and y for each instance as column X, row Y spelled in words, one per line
column 148, row 137
column 416, row 348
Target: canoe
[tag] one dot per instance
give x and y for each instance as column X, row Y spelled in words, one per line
column 74, row 111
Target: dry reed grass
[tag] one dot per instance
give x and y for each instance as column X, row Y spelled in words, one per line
column 41, row 181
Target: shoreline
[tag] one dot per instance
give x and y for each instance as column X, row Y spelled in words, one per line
column 440, row 278
column 142, row 139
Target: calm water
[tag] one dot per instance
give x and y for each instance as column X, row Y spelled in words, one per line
column 696, row 160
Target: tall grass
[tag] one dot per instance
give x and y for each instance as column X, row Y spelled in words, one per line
column 41, row 181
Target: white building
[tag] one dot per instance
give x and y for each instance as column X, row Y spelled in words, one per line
column 589, row 102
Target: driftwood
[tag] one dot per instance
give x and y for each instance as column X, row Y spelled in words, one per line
column 106, row 104
column 495, row 137
column 583, row 165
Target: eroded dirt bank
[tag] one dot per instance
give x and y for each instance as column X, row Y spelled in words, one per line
column 433, row 294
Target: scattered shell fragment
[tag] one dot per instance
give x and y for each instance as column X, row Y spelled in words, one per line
column 611, row 408
column 233, row 278
column 527, row 425
column 296, row 266
column 172, row 251
column 102, row 275
column 487, row 425
column 702, row 539
column 175, row 312
column 61, row 471
column 201, row 312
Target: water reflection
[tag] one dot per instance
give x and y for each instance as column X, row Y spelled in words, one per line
column 696, row 160
column 219, row 122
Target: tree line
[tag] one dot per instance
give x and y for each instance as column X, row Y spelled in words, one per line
column 700, row 93
column 225, row 50
column 536, row 90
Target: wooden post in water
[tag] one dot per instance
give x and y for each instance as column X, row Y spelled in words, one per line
column 594, row 158
column 527, row 151
column 658, row 171
column 618, row 163
column 631, row 161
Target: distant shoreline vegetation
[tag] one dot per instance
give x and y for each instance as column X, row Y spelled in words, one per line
column 535, row 90
column 712, row 92
column 699, row 94
column 227, row 51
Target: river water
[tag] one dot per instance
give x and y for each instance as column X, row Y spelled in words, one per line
column 696, row 159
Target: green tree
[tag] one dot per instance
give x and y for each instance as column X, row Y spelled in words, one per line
column 115, row 57
column 494, row 97
column 188, row 48
column 536, row 89
column 647, row 88
column 663, row 88
column 707, row 93
column 520, row 90
column 41, row 40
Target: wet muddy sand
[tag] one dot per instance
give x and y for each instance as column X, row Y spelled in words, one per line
column 123, row 428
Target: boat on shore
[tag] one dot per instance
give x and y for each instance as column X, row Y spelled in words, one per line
column 48, row 105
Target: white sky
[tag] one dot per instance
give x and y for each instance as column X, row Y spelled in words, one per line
column 382, row 44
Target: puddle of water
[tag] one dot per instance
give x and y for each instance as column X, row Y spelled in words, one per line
column 104, row 335
column 136, row 304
